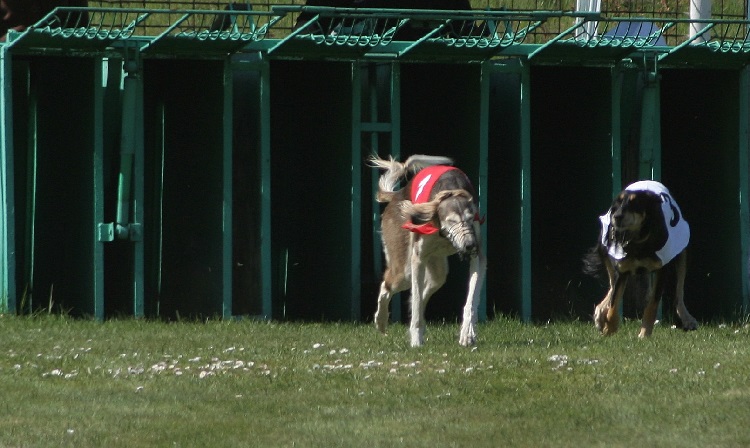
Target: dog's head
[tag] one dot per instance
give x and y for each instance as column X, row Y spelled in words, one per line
column 636, row 218
column 454, row 213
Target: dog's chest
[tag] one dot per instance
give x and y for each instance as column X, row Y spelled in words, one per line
column 633, row 264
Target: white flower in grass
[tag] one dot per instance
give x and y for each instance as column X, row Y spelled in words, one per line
column 558, row 358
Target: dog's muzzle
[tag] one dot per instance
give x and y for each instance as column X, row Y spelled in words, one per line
column 463, row 239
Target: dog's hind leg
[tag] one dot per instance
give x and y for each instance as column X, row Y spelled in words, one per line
column 382, row 314
column 468, row 335
column 390, row 285
column 688, row 321
column 427, row 277
column 652, row 306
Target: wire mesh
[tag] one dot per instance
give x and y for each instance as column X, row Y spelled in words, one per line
column 637, row 23
column 657, row 9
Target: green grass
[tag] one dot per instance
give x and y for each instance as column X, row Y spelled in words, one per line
column 128, row 383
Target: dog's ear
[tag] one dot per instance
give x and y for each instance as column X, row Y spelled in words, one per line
column 419, row 213
column 425, row 212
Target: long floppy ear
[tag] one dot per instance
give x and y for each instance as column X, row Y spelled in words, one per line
column 425, row 212
column 419, row 213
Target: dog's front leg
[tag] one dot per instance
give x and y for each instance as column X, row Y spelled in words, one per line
column 606, row 314
column 468, row 334
column 418, row 269
column 688, row 321
column 600, row 311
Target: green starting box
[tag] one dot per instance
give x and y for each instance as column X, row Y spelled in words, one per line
column 156, row 164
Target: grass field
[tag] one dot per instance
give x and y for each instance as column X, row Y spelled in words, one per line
column 129, row 383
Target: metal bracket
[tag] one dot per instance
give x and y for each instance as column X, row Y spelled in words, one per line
column 650, row 74
column 106, row 232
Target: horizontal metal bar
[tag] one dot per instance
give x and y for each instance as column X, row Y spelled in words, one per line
column 436, row 14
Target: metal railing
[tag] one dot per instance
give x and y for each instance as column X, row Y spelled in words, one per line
column 495, row 33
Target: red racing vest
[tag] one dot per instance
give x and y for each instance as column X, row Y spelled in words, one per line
column 421, row 189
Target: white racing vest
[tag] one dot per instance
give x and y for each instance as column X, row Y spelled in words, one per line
column 678, row 230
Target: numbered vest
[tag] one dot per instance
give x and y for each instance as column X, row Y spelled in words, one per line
column 678, row 230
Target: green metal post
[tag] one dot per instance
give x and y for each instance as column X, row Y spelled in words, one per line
column 227, row 192
column 483, row 187
column 396, row 152
column 98, row 191
column 265, row 188
column 29, row 246
column 616, row 126
column 130, row 192
column 744, row 193
column 616, row 142
column 127, row 147
column 374, row 117
column 355, row 223
column 650, row 143
column 138, row 212
column 7, row 193
column 525, row 148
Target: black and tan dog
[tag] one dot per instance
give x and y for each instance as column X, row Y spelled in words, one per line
column 643, row 231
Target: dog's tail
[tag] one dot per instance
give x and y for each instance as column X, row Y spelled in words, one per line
column 593, row 262
column 395, row 171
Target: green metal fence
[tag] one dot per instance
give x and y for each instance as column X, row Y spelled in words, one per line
column 219, row 171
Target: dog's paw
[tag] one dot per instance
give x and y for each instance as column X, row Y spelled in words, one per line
column 690, row 324
column 600, row 318
column 417, row 337
column 606, row 320
column 381, row 321
column 468, row 336
column 467, row 341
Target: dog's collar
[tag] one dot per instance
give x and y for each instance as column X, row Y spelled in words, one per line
column 423, row 229
column 429, row 228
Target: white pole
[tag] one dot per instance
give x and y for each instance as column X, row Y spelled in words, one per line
column 588, row 6
column 699, row 9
